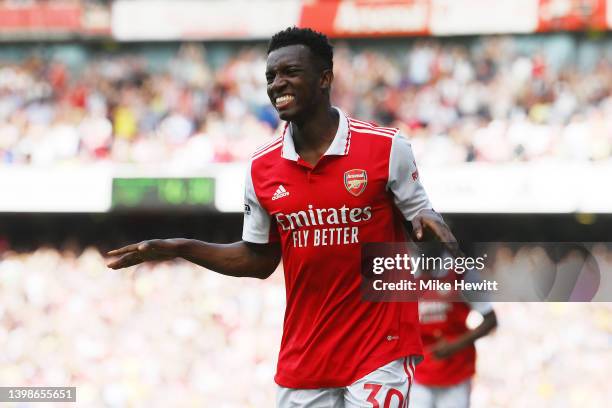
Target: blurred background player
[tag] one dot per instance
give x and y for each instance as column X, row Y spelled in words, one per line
column 444, row 378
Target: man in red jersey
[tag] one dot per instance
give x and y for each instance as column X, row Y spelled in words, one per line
column 328, row 184
column 444, row 378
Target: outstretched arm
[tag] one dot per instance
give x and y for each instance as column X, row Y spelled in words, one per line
column 242, row 259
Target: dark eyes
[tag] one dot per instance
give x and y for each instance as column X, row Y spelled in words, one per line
column 288, row 72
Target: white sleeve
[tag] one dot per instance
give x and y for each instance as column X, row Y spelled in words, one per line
column 256, row 224
column 408, row 192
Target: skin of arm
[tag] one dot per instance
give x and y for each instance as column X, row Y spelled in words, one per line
column 444, row 349
column 240, row 259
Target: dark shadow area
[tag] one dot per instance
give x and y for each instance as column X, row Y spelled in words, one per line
column 28, row 231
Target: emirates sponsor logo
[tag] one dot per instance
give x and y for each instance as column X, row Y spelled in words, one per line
column 332, row 226
column 323, row 217
column 280, row 193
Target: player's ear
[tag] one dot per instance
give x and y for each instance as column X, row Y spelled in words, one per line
column 327, row 77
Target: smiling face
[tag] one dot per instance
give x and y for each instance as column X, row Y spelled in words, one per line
column 297, row 82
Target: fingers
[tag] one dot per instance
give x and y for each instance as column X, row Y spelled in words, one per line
column 449, row 240
column 151, row 250
column 130, row 256
column 139, row 247
column 126, row 261
column 144, row 246
column 417, row 227
column 124, row 250
column 441, row 230
column 444, row 235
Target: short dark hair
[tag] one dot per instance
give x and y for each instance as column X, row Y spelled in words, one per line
column 318, row 43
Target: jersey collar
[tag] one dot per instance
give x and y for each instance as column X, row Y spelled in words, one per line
column 339, row 146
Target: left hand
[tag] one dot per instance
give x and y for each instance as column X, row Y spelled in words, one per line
column 444, row 349
column 428, row 219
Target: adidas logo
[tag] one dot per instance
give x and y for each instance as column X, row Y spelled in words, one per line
column 280, row 193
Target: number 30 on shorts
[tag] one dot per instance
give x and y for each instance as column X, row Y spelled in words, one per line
column 375, row 389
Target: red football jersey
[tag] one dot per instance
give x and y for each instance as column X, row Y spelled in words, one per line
column 357, row 192
column 446, row 320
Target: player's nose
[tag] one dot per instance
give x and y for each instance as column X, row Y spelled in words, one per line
column 278, row 84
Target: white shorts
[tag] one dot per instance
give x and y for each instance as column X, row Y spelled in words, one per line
column 454, row 396
column 386, row 387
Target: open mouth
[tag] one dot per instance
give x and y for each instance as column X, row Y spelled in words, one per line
column 282, row 102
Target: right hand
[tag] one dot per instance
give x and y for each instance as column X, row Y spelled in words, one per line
column 444, row 349
column 151, row 250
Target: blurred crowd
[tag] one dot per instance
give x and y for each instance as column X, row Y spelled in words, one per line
column 173, row 334
column 170, row 335
column 457, row 102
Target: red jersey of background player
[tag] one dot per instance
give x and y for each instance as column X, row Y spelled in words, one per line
column 358, row 192
column 447, row 320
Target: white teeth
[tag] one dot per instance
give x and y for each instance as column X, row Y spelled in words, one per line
column 283, row 99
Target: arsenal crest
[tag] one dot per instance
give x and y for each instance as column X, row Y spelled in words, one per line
column 355, row 181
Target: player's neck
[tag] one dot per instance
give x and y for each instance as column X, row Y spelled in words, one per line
column 313, row 137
